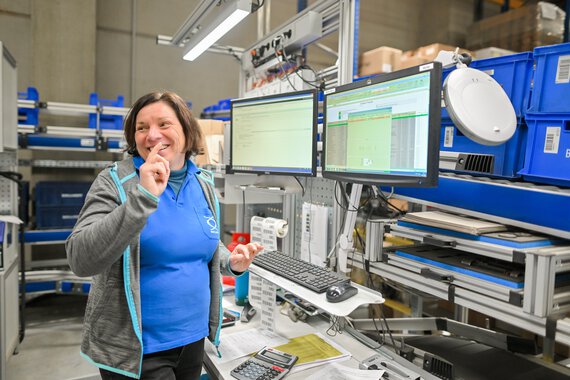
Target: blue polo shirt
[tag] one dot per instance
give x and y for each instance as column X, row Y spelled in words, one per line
column 177, row 243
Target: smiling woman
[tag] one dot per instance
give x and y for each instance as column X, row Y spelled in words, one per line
column 149, row 235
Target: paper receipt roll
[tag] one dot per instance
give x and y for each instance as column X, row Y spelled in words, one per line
column 267, row 230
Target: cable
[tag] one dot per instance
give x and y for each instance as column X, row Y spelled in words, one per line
column 300, row 184
column 255, row 7
column 283, row 69
column 388, row 328
column 233, row 53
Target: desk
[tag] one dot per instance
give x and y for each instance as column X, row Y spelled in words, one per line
column 289, row 329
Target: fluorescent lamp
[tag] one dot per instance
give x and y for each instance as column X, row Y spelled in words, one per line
column 229, row 17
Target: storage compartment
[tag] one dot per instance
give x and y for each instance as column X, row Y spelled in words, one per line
column 512, row 72
column 551, row 91
column 56, row 217
column 56, row 193
column 105, row 121
column 459, row 153
column 547, row 158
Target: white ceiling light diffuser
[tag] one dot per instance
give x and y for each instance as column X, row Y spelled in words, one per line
column 230, row 14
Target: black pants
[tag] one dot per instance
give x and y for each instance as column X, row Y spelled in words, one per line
column 181, row 363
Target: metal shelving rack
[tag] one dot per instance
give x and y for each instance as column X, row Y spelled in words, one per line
column 66, row 138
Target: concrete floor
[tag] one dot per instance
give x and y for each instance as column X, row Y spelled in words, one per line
column 50, row 350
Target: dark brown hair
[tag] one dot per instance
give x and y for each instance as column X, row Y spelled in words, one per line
column 190, row 126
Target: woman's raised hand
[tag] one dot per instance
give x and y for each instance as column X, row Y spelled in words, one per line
column 154, row 173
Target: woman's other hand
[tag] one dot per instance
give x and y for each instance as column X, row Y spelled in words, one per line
column 243, row 255
column 154, row 173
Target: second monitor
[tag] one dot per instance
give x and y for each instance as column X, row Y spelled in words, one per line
column 385, row 130
column 275, row 134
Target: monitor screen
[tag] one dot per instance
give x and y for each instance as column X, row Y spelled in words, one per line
column 385, row 130
column 275, row 134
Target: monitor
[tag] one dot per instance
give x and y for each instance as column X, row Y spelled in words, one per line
column 275, row 134
column 385, row 130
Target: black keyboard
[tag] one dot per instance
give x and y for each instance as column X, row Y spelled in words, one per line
column 308, row 275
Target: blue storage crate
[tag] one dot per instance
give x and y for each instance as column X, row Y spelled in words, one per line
column 105, row 121
column 218, row 111
column 29, row 116
column 225, row 104
column 508, row 157
column 551, row 90
column 512, row 72
column 56, row 216
column 547, row 157
column 58, row 193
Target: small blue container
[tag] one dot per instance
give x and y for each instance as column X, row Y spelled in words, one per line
column 547, row 157
column 512, row 72
column 551, row 91
column 508, row 157
column 242, row 289
column 29, row 116
column 59, row 193
column 57, row 216
column 106, row 121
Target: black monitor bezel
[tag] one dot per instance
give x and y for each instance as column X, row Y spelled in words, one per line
column 431, row 179
column 231, row 169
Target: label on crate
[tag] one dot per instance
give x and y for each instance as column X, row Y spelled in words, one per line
column 71, row 195
column 489, row 72
column 87, row 142
column 552, row 140
column 448, row 137
column 563, row 69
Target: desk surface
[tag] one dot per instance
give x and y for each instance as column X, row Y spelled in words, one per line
column 288, row 329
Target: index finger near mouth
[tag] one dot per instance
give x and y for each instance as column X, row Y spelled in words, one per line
column 154, row 152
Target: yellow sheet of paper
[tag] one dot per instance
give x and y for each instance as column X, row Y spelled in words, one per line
column 309, row 348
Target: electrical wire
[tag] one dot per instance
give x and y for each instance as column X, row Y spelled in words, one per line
column 283, row 70
column 233, row 53
column 300, row 184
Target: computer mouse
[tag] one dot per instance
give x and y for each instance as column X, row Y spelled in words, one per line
column 340, row 292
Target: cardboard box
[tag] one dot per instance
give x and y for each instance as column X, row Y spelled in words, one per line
column 410, row 61
column 429, row 52
column 212, row 145
column 380, row 60
column 211, row 127
column 520, row 29
column 492, row 52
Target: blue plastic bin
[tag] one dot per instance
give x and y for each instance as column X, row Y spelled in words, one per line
column 551, row 91
column 547, row 157
column 512, row 72
column 58, row 193
column 57, row 216
column 29, row 116
column 106, row 121
column 508, row 157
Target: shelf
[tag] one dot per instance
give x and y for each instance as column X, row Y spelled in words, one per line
column 67, row 164
column 42, row 237
column 365, row 295
column 522, row 204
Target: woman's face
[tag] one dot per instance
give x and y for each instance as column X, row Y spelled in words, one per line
column 157, row 123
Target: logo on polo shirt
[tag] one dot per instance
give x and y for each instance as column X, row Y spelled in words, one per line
column 211, row 222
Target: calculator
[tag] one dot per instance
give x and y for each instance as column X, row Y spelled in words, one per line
column 267, row 364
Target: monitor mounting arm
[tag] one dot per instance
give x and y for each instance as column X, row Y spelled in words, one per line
column 346, row 244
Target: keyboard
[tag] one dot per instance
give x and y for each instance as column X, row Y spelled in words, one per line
column 308, row 275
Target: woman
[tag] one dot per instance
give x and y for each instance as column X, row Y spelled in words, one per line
column 149, row 235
